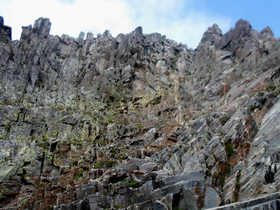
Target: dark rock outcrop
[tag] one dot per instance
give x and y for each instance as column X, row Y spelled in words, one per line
column 5, row 31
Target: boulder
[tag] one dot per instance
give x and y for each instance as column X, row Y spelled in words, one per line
column 147, row 167
column 212, row 198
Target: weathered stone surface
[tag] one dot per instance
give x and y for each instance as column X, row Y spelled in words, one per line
column 213, row 35
column 212, row 199
column 191, row 178
column 147, row 167
column 138, row 121
column 265, row 202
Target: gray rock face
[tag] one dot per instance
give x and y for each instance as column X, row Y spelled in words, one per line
column 212, row 199
column 265, row 202
column 213, row 35
column 139, row 121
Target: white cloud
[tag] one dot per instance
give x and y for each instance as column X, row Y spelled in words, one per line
column 66, row 17
column 175, row 19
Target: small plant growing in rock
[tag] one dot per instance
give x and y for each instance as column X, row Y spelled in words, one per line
column 208, row 173
column 119, row 179
column 270, row 88
column 43, row 119
column 221, row 133
column 140, row 126
column 43, row 144
column 177, row 208
column 132, row 184
column 24, row 203
column 186, row 149
column 169, row 155
column 7, row 127
column 5, row 102
column 77, row 176
column 155, row 60
column 117, row 206
column 252, row 108
column 59, row 107
column 228, row 170
column 102, row 143
column 224, row 120
column 46, row 137
column 106, row 163
column 229, row 148
column 52, row 206
column 238, row 183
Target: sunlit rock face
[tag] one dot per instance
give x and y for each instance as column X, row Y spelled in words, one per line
column 139, row 121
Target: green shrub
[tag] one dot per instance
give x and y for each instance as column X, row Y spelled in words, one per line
column 221, row 133
column 252, row 108
column 223, row 179
column 46, row 137
column 105, row 163
column 229, row 148
column 5, row 102
column 43, row 144
column 140, row 126
column 208, row 173
column 228, row 170
column 186, row 149
column 59, row 107
column 43, row 119
column 120, row 179
column 102, row 143
column 80, row 174
column 24, row 203
column 52, row 206
column 270, row 88
column 155, row 60
column 7, row 127
column 132, row 184
column 238, row 183
column 224, row 119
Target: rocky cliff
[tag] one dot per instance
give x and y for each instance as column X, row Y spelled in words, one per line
column 139, row 121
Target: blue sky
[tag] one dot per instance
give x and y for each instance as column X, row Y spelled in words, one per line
column 181, row 20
